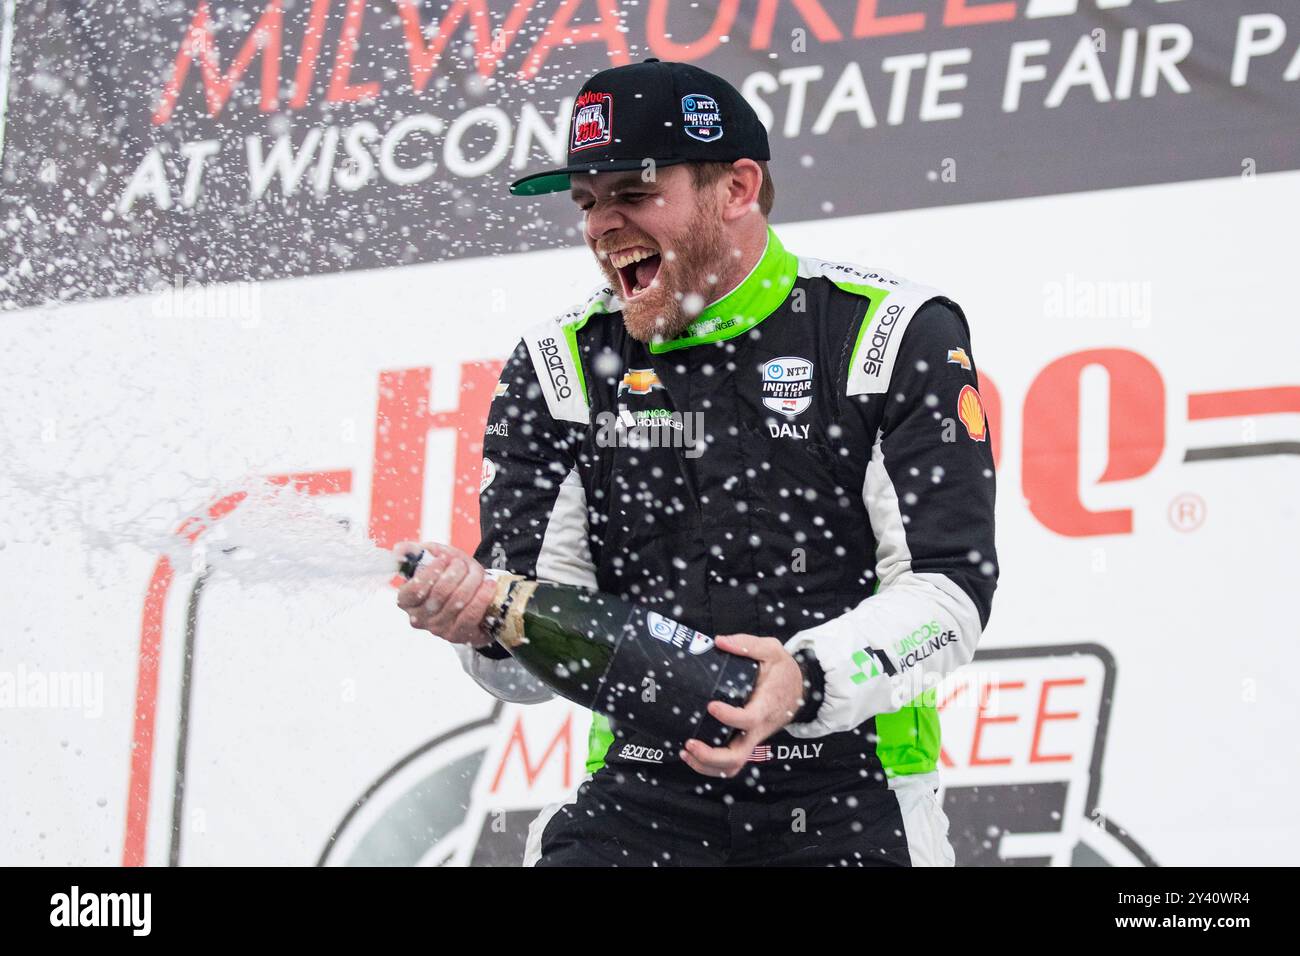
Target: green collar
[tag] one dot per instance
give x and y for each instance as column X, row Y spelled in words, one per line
column 748, row 304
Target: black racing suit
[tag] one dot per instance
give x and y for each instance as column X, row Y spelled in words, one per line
column 809, row 461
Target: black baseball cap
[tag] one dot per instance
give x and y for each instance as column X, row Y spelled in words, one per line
column 669, row 112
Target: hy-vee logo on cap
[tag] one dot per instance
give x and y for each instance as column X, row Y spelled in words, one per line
column 787, row 385
column 593, row 121
column 700, row 117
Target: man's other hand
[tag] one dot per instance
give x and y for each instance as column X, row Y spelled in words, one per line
column 776, row 698
column 449, row 596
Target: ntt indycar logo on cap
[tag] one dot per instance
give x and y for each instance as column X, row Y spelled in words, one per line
column 678, row 635
column 700, row 117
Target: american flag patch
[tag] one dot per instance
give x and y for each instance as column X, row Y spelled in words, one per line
column 761, row 753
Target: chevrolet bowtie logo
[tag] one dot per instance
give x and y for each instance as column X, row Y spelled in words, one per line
column 639, row 381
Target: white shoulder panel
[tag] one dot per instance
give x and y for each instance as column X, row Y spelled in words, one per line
column 559, row 369
column 894, row 301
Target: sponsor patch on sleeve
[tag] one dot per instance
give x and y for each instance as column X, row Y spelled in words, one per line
column 879, row 340
column 970, row 409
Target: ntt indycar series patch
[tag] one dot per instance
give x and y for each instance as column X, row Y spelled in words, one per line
column 700, row 117
column 787, row 385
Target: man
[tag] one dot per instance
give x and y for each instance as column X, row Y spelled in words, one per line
column 785, row 450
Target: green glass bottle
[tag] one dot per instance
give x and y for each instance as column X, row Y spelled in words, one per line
column 619, row 659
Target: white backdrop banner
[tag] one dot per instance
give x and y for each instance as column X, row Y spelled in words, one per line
column 1134, row 701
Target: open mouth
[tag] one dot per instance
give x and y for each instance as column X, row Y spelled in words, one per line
column 637, row 267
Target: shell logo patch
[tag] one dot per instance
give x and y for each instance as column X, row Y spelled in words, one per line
column 639, row 381
column 593, row 121
column 958, row 356
column 700, row 117
column 970, row 409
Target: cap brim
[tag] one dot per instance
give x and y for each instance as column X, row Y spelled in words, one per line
column 558, row 180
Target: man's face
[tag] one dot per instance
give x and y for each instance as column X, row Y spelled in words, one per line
column 660, row 244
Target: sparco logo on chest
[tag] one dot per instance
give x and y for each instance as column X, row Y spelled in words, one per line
column 554, row 363
column 644, row 754
column 878, row 340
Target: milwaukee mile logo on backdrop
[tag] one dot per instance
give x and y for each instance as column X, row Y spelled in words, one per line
column 1024, row 734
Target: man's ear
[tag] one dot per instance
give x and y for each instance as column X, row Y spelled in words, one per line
column 743, row 184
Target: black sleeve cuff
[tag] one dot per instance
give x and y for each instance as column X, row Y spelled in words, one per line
column 814, row 686
column 494, row 651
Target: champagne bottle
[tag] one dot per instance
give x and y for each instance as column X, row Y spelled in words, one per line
column 633, row 665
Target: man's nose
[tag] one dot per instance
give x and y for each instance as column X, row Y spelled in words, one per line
column 603, row 219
